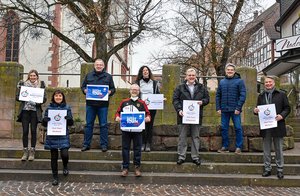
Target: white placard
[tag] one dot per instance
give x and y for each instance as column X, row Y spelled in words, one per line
column 58, row 124
column 31, row 94
column 97, row 92
column 191, row 111
column 154, row 101
column 267, row 114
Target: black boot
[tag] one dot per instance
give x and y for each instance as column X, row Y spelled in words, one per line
column 55, row 180
column 65, row 171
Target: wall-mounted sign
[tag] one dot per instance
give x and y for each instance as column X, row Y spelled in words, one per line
column 288, row 43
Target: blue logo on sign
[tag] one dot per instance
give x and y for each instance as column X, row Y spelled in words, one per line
column 132, row 120
column 97, row 92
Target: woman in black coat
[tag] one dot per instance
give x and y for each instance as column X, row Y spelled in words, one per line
column 58, row 142
column 273, row 96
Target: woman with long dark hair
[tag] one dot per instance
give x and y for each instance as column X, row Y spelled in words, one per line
column 147, row 86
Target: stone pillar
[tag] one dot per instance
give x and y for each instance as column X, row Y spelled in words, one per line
column 9, row 77
column 170, row 79
column 85, row 68
column 249, row 75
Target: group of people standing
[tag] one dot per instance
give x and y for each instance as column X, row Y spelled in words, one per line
column 230, row 97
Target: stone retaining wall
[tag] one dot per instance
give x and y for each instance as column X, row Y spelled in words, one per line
column 165, row 137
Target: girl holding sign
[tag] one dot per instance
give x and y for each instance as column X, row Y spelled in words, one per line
column 30, row 112
column 58, row 116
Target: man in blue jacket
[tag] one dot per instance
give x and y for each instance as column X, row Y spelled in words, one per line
column 230, row 98
column 97, row 108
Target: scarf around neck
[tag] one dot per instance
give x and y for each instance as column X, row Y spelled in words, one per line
column 30, row 84
column 146, row 79
column 268, row 95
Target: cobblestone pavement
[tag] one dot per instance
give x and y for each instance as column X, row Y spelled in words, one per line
column 74, row 189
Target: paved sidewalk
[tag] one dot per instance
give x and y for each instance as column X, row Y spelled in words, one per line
column 111, row 189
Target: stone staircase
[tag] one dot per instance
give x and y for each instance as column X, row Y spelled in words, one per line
column 158, row 167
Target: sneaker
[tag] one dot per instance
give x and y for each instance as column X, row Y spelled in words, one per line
column 180, row 161
column 222, row 150
column 238, row 151
column 280, row 175
column 124, row 173
column 266, row 173
column 85, row 148
column 104, row 149
column 143, row 147
column 197, row 162
column 137, row 172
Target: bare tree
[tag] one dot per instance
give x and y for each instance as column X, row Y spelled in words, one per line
column 93, row 23
column 204, row 32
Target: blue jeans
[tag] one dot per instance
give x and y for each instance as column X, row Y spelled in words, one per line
column 136, row 137
column 91, row 112
column 236, row 119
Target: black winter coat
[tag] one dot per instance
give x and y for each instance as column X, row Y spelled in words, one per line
column 182, row 93
column 282, row 106
column 96, row 78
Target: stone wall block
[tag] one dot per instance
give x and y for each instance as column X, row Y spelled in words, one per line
column 166, row 130
column 204, row 143
column 169, row 143
column 289, row 130
column 215, row 143
column 115, row 142
column 251, row 131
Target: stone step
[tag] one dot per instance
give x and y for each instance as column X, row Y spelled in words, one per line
column 297, row 134
column 148, row 166
column 152, row 178
column 297, row 139
column 168, row 156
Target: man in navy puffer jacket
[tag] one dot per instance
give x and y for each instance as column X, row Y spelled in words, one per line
column 230, row 98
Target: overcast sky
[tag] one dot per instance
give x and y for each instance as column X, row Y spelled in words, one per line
column 143, row 51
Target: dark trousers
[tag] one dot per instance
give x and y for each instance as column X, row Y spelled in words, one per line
column 136, row 137
column 64, row 154
column 29, row 117
column 148, row 132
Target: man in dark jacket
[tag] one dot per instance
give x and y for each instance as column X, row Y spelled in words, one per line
column 189, row 90
column 95, row 107
column 273, row 96
column 230, row 98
